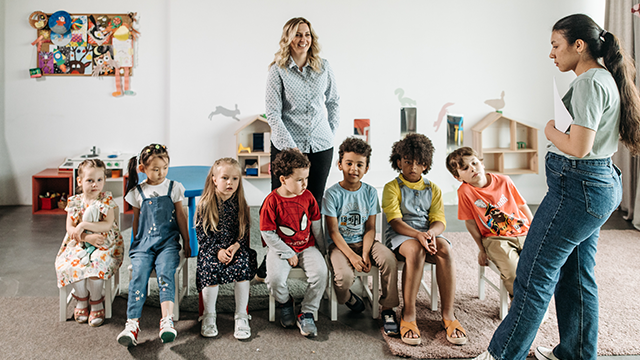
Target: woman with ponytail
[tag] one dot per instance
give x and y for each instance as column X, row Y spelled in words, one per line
column 584, row 189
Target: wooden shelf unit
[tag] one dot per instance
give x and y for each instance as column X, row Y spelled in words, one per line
column 52, row 181
column 244, row 136
column 498, row 158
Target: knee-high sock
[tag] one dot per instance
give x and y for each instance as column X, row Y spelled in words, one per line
column 241, row 291
column 81, row 291
column 95, row 290
column 209, row 297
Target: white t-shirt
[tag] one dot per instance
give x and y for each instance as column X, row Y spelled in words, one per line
column 151, row 191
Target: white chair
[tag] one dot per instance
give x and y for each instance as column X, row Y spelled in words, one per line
column 372, row 294
column 182, row 289
column 432, row 290
column 111, row 289
column 295, row 273
column 500, row 288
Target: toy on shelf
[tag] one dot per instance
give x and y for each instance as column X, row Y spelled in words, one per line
column 49, row 200
column 243, row 148
column 251, row 167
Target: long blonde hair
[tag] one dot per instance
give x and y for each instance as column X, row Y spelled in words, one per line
column 207, row 213
column 288, row 33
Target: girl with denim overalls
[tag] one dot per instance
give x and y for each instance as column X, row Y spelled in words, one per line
column 158, row 223
column 414, row 209
column 558, row 258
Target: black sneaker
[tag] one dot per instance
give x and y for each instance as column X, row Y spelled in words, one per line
column 390, row 322
column 355, row 303
column 262, row 269
column 287, row 313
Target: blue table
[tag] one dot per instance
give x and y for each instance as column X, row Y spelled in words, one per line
column 193, row 179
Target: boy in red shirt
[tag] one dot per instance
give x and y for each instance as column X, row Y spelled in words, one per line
column 495, row 214
column 289, row 225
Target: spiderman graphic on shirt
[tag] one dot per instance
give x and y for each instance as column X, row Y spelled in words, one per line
column 291, row 219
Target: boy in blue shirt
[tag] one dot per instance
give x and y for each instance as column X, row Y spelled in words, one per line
column 350, row 209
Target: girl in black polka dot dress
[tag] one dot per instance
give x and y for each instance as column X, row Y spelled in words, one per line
column 224, row 255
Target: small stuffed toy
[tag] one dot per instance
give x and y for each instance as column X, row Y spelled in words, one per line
column 91, row 214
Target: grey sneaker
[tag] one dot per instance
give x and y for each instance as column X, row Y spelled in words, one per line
column 543, row 353
column 287, row 313
column 307, row 325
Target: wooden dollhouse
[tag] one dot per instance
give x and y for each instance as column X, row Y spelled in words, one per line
column 506, row 146
column 248, row 158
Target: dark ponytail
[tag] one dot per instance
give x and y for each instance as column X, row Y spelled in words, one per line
column 602, row 44
column 149, row 152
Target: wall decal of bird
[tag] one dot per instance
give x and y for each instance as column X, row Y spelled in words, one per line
column 404, row 101
column 496, row 103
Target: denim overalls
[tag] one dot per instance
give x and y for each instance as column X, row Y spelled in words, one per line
column 559, row 258
column 415, row 207
column 156, row 245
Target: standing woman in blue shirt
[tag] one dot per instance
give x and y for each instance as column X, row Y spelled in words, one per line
column 300, row 86
column 584, row 189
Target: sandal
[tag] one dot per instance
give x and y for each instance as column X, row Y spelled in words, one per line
column 209, row 327
column 451, row 326
column 241, row 330
column 81, row 315
column 98, row 314
column 405, row 326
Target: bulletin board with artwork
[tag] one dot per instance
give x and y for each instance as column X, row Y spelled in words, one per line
column 84, row 44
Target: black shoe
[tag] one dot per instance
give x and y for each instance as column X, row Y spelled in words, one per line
column 355, row 303
column 287, row 313
column 262, row 269
column 390, row 322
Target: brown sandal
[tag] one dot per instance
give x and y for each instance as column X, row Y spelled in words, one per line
column 451, row 326
column 77, row 313
column 98, row 314
column 405, row 326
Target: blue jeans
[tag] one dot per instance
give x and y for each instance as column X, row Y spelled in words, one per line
column 165, row 262
column 559, row 258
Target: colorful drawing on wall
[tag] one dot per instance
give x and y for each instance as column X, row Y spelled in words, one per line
column 220, row 110
column 103, row 63
column 80, row 59
column 60, row 22
column 497, row 104
column 361, row 128
column 635, row 10
column 45, row 62
column 38, row 20
column 61, row 39
column 404, row 101
column 455, row 132
column 441, row 115
column 123, row 55
column 78, row 31
column 45, row 34
column 60, row 59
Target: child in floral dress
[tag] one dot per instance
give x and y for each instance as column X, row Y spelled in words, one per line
column 87, row 278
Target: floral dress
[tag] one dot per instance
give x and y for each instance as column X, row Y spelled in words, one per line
column 210, row 270
column 105, row 260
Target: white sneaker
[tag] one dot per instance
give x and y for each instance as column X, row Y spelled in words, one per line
column 484, row 356
column 209, row 327
column 543, row 353
column 241, row 330
column 167, row 332
column 129, row 336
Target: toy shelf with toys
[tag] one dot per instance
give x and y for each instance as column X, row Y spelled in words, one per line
column 48, row 187
column 253, row 146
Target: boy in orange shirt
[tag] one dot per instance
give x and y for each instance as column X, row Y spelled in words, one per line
column 495, row 214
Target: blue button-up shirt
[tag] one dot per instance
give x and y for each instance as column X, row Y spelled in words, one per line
column 294, row 108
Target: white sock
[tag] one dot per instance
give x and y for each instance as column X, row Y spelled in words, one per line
column 209, row 298
column 95, row 290
column 81, row 291
column 242, row 296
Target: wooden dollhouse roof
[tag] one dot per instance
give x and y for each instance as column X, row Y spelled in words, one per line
column 251, row 121
column 491, row 118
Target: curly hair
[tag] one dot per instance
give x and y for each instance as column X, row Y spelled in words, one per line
column 455, row 160
column 356, row 146
column 288, row 33
column 415, row 147
column 287, row 161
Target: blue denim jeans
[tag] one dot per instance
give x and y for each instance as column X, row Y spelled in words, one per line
column 559, row 258
column 165, row 262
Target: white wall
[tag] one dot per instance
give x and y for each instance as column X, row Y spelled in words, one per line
column 199, row 54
